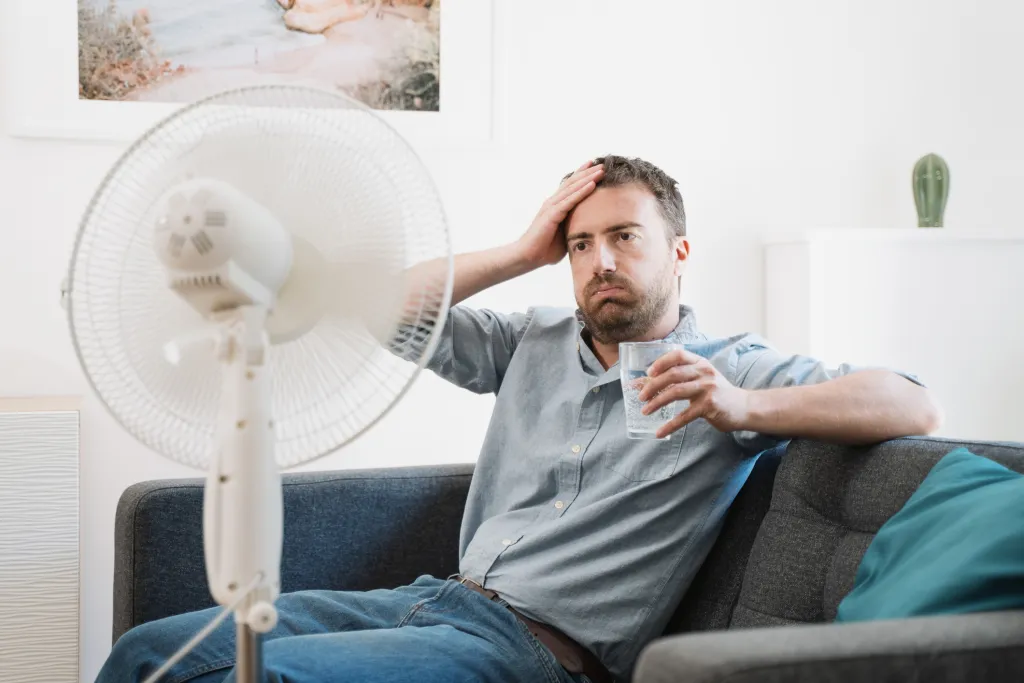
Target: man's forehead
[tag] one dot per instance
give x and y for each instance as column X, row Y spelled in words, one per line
column 611, row 206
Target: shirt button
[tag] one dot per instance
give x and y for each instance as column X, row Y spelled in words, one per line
column 559, row 504
column 506, row 541
column 576, row 448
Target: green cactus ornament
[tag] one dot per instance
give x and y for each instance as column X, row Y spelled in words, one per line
column 931, row 189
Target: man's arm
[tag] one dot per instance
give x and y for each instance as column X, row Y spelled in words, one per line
column 542, row 244
column 793, row 397
column 864, row 407
column 475, row 346
column 472, row 273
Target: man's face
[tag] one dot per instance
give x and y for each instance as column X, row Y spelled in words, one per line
column 624, row 268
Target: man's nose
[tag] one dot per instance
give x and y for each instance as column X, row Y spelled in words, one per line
column 605, row 261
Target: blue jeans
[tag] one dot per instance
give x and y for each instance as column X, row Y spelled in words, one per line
column 432, row 631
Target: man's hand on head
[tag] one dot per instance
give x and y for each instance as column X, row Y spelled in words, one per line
column 682, row 375
column 543, row 244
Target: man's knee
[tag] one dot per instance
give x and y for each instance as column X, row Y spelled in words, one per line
column 146, row 647
column 134, row 654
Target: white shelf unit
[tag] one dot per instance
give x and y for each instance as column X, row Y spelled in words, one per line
column 946, row 305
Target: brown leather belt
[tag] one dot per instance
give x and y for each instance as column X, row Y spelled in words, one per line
column 573, row 657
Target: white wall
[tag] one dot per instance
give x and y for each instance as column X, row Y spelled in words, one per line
column 773, row 116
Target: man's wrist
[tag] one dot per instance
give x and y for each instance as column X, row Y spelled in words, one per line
column 515, row 260
column 760, row 410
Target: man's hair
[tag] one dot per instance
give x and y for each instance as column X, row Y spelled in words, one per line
column 619, row 171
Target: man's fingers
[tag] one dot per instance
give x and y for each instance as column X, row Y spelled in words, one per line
column 588, row 176
column 571, row 191
column 568, row 177
column 562, row 203
column 584, row 176
column 575, row 181
column 565, row 206
column 679, row 421
column 671, row 359
column 677, row 374
column 677, row 392
column 586, row 164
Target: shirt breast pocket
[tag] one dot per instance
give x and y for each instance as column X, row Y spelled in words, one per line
column 646, row 459
column 637, row 459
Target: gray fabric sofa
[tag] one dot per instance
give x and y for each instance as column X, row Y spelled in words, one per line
column 758, row 611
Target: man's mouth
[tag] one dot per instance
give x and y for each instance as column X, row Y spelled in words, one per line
column 608, row 292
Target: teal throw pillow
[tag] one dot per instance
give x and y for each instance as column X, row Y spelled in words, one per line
column 957, row 546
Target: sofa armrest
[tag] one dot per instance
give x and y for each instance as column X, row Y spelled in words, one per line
column 974, row 647
column 343, row 530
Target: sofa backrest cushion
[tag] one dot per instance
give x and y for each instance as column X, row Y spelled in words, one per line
column 827, row 504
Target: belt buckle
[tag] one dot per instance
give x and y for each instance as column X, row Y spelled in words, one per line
column 487, row 593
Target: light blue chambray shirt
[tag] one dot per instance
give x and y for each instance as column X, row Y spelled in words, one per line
column 574, row 524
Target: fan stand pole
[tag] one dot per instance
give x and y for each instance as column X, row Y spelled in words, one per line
column 242, row 505
column 249, row 655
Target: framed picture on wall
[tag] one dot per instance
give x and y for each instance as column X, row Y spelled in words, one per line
column 109, row 69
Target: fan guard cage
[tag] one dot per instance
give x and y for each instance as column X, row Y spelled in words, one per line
column 337, row 176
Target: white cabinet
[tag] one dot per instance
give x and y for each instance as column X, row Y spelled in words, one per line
column 945, row 305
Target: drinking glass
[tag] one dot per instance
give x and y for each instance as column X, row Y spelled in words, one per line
column 634, row 360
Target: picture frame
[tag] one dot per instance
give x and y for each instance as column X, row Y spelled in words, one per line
column 43, row 97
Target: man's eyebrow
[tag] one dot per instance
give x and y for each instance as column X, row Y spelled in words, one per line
column 618, row 227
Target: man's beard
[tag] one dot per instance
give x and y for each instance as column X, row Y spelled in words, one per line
column 623, row 316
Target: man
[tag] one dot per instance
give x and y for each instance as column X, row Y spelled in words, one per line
column 577, row 543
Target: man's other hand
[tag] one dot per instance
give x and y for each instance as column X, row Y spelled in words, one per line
column 681, row 375
column 543, row 243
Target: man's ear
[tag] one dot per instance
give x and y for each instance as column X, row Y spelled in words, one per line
column 682, row 252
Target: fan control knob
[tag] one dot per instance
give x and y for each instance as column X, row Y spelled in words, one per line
column 262, row 617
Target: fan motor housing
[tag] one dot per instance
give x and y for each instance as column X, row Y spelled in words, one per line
column 222, row 248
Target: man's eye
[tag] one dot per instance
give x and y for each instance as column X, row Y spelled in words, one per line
column 579, row 246
column 626, row 236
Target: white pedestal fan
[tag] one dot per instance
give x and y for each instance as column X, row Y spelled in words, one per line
column 238, row 299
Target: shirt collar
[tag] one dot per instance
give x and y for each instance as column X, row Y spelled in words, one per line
column 686, row 331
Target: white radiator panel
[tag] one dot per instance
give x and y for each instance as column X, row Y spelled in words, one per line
column 39, row 563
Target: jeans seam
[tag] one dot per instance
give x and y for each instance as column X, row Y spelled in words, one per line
column 202, row 669
column 420, row 605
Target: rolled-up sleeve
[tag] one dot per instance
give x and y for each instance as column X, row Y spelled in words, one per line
column 476, row 347
column 758, row 365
